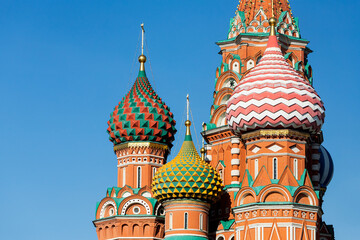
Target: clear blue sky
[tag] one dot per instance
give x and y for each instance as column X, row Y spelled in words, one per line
column 65, row 64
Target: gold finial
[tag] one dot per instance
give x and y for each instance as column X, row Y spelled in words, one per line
column 202, row 151
column 188, row 124
column 272, row 22
column 142, row 58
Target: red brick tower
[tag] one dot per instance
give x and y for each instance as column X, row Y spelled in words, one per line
column 270, row 157
column 142, row 130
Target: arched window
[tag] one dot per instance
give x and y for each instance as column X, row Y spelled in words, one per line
column 186, row 221
column 201, row 221
column 154, row 171
column 221, row 174
column 170, row 221
column 296, row 168
column 275, row 168
column 225, row 99
column 222, row 120
column 258, row 60
column 124, row 177
column 229, row 83
column 256, row 167
column 138, row 177
column 250, row 64
column 236, row 67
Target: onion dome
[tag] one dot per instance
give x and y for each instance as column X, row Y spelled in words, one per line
column 274, row 95
column 326, row 167
column 187, row 176
column 141, row 115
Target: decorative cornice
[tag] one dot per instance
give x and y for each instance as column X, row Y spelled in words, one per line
column 275, row 133
column 141, row 144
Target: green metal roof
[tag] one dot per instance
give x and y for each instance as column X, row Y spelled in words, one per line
column 227, row 224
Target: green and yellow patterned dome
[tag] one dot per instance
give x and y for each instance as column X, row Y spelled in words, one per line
column 187, row 176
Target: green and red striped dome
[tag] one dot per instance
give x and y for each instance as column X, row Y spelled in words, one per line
column 141, row 116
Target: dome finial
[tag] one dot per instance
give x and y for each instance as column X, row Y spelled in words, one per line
column 272, row 22
column 142, row 58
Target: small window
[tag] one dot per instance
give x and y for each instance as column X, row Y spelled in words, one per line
column 112, row 212
column 136, row 210
column 154, row 171
column 201, row 221
column 258, row 60
column 296, row 168
column 124, row 177
column 170, row 221
column 221, row 174
column 250, row 64
column 275, row 168
column 256, row 167
column 186, row 221
column 138, row 177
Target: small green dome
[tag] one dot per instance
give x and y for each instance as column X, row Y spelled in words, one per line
column 187, row 176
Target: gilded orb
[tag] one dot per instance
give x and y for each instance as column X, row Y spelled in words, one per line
column 142, row 58
column 272, row 21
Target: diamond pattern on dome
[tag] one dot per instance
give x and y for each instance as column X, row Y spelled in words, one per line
column 141, row 116
column 187, row 176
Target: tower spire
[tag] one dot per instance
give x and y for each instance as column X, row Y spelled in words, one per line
column 142, row 38
column 142, row 58
column 188, row 122
column 187, row 107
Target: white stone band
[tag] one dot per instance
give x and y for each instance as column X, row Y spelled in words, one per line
column 235, row 173
column 235, row 151
column 235, row 161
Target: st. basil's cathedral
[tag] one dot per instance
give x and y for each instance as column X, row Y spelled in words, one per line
column 262, row 173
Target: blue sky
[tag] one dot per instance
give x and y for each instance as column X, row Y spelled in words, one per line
column 65, row 64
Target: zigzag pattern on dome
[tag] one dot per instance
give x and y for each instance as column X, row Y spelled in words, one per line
column 141, row 116
column 274, row 95
column 187, row 176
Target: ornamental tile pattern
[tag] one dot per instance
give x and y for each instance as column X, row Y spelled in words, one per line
column 141, row 116
column 187, row 176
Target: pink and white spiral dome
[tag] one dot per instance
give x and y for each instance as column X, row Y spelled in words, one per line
column 273, row 95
